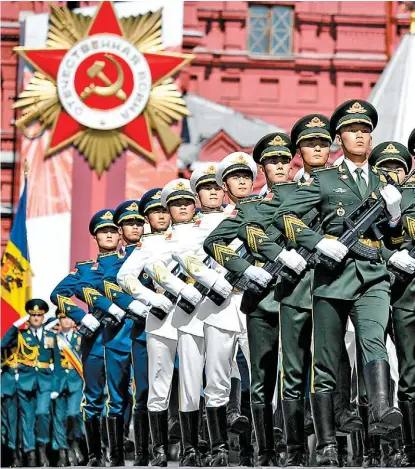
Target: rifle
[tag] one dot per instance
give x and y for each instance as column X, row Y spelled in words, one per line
column 104, row 319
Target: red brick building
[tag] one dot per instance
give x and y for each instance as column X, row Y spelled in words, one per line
column 272, row 60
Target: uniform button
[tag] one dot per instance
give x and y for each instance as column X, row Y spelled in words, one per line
column 36, row 368
column 66, row 371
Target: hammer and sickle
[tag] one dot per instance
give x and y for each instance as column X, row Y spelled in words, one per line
column 112, row 88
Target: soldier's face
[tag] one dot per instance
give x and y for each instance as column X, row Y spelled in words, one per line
column 181, row 210
column 276, row 169
column 36, row 320
column 355, row 139
column 211, row 195
column 239, row 184
column 131, row 230
column 314, row 151
column 159, row 219
column 66, row 323
column 107, row 238
column 395, row 167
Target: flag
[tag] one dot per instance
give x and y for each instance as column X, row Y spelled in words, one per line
column 16, row 285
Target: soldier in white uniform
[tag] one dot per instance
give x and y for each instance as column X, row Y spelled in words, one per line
column 154, row 255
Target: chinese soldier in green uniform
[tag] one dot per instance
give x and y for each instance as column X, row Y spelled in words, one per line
column 395, row 156
column 39, row 360
column 358, row 288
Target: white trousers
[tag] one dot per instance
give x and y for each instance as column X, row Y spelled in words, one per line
column 221, row 348
column 191, row 363
column 161, row 356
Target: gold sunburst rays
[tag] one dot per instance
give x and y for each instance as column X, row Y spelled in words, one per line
column 66, row 28
column 102, row 147
column 144, row 31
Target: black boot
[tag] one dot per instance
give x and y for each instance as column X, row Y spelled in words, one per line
column 264, row 431
column 204, row 442
column 216, row 420
column 346, row 420
column 43, row 459
column 15, row 462
column 173, row 419
column 293, row 411
column 141, row 432
column 62, row 459
column 308, row 418
column 159, row 436
column 246, row 450
column 93, row 441
column 116, row 440
column 323, row 414
column 31, row 459
column 342, row 450
column 382, row 417
column 408, row 430
column 370, row 445
column 189, row 425
column 357, row 448
column 280, row 444
column 237, row 423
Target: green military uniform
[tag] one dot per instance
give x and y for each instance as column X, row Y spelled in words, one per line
column 262, row 311
column 403, row 295
column 39, row 363
column 359, row 288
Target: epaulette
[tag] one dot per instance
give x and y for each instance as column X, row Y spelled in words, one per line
column 325, row 169
column 91, row 261
column 147, row 235
column 256, row 198
column 284, row 183
column 107, row 254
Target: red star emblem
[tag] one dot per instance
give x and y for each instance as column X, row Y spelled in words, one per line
column 112, row 85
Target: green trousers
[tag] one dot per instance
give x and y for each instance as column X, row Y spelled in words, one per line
column 369, row 315
column 263, row 333
column 296, row 329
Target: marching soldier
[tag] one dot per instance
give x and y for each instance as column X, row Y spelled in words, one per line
column 67, row 419
column 39, row 370
column 359, row 289
column 396, row 157
column 80, row 282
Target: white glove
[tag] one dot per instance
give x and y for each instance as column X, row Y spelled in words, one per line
column 117, row 312
column 258, row 275
column 222, row 286
column 90, row 322
column 161, row 302
column 21, row 321
column 190, row 294
column 54, row 395
column 138, row 308
column 292, row 260
column 393, row 198
column 403, row 261
column 332, row 248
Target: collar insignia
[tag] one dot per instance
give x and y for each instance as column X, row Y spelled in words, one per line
column 341, row 169
column 278, row 141
column 107, row 216
column 240, row 160
column 356, row 108
column 390, row 150
column 181, row 186
column 315, row 122
column 156, row 196
column 210, row 170
column 133, row 207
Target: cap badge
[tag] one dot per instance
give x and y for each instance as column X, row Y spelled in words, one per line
column 181, row 186
column 133, row 207
column 278, row 141
column 36, row 308
column 390, row 150
column 156, row 196
column 356, row 108
column 107, row 216
column 240, row 160
column 210, row 170
column 315, row 122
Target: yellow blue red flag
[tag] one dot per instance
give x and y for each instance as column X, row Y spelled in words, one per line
column 16, row 276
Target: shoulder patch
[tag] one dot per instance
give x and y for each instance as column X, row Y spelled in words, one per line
column 91, row 261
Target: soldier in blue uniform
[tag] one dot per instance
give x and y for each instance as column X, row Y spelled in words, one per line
column 81, row 282
column 39, row 360
column 9, row 410
column 117, row 339
column 67, row 420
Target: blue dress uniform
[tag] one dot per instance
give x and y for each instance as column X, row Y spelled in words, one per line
column 67, row 421
column 38, row 362
column 9, row 408
column 81, row 282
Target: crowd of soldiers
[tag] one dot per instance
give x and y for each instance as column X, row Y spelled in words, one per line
column 267, row 317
